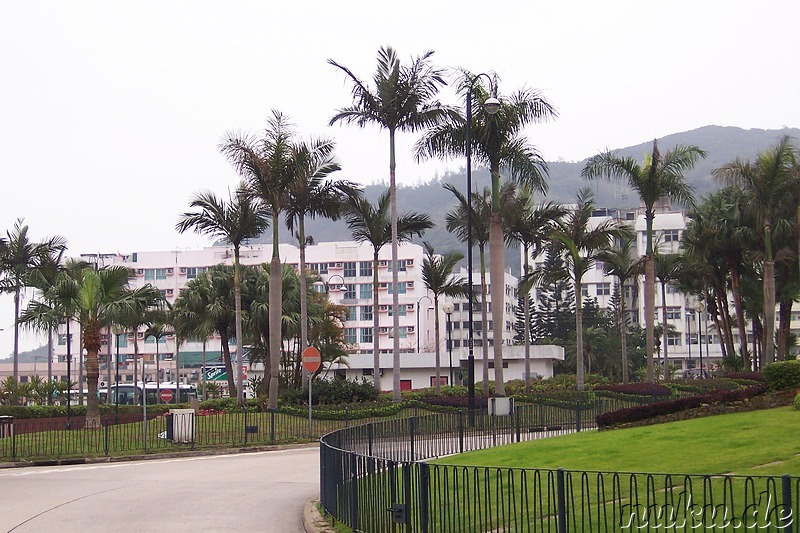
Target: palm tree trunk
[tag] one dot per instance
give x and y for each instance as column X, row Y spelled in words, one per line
column 205, row 384
column 497, row 275
column 16, row 332
column 484, row 324
column 226, row 356
column 579, row 371
column 769, row 312
column 275, row 312
column 81, row 374
column 649, row 312
column 376, row 323
column 49, row 366
column 395, row 277
column 436, row 331
column 237, row 293
column 527, row 325
column 136, row 368
column 177, row 370
column 784, row 318
column 740, row 318
column 109, row 342
column 91, row 341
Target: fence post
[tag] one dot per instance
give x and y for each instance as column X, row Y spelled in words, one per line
column 347, row 416
column 245, row 425
column 516, row 415
column 369, row 439
column 407, row 496
column 412, row 423
column 272, row 426
column 786, row 481
column 424, row 484
column 460, row 432
column 562, row 501
column 354, row 491
column 106, row 442
column 578, row 417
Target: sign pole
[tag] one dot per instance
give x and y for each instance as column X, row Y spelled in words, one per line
column 310, row 375
column 311, row 362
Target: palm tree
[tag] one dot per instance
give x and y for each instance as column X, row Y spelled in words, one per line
column 242, row 217
column 403, row 99
column 621, row 263
column 191, row 317
column 21, row 258
column 580, row 242
column 311, row 195
column 97, row 298
column 437, row 275
column 769, row 180
column 373, row 224
column 660, row 177
column 498, row 142
column 531, row 227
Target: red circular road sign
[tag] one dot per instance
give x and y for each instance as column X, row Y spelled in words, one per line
column 311, row 359
column 166, row 395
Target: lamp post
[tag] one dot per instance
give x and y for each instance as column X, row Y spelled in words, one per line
column 69, row 378
column 418, row 331
column 491, row 106
column 699, row 344
column 448, row 308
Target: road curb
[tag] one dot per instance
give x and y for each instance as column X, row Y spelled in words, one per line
column 313, row 521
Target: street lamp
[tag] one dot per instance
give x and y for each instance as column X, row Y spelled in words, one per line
column 699, row 344
column 329, row 285
column 689, row 335
column 448, row 308
column 418, row 331
column 491, row 106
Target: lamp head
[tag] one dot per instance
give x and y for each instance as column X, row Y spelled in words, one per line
column 491, row 105
column 448, row 307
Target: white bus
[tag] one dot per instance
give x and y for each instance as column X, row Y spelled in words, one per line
column 130, row 394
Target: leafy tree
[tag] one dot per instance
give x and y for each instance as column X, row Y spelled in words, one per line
column 554, row 317
column 241, row 217
column 659, row 177
column 498, row 142
column 402, row 99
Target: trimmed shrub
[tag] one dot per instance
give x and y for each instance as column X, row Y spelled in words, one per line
column 638, row 389
column 797, row 401
column 783, row 375
column 746, row 376
column 643, row 412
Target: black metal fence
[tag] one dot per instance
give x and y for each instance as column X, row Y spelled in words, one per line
column 372, row 480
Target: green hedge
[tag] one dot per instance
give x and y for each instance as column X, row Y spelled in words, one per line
column 783, row 375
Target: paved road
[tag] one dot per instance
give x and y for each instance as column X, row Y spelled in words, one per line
column 263, row 491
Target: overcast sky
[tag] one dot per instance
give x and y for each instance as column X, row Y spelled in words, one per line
column 111, row 112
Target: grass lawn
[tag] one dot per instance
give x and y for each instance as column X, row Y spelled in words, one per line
column 757, row 443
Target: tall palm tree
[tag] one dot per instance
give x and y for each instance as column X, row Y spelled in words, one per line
column 531, row 226
column 267, row 164
column 621, row 263
column 402, row 99
column 373, row 224
column 437, row 275
column 22, row 257
column 498, row 142
column 658, row 178
column 241, row 217
column 769, row 180
column 580, row 242
column 312, row 194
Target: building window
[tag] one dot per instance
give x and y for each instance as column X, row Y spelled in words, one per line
column 403, row 333
column 319, row 268
column 366, row 312
column 401, row 311
column 365, row 290
column 585, row 291
column 366, row 335
column 674, row 339
column 673, row 289
column 365, row 268
column 350, row 335
column 598, row 265
column 350, row 313
column 402, row 265
column 603, row 289
column 349, row 291
column 151, row 340
column 673, row 313
column 122, row 340
column 456, row 325
column 670, row 235
column 62, row 340
column 456, row 307
column 151, row 274
column 401, row 288
column 349, row 269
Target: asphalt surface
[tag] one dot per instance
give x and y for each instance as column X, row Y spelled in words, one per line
column 262, row 491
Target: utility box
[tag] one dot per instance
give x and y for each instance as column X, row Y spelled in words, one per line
column 501, row 406
column 6, row 426
column 182, row 424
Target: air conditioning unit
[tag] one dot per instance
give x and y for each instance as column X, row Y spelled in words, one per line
column 383, row 330
column 383, row 308
column 410, row 329
column 169, row 272
column 140, row 272
column 169, row 292
column 183, row 270
column 383, row 285
column 409, row 262
column 130, row 336
column 383, row 263
column 409, row 284
column 102, row 384
column 336, row 265
column 409, row 307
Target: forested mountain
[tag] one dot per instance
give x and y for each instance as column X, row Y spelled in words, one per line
column 723, row 145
